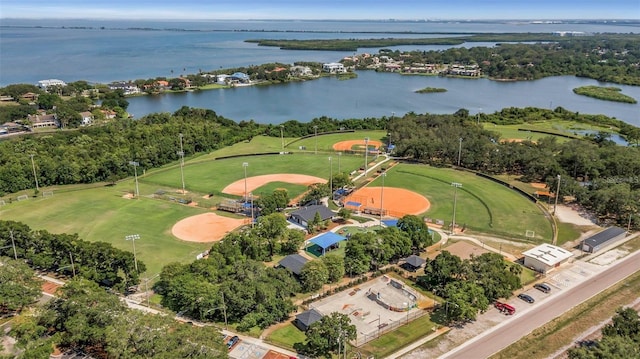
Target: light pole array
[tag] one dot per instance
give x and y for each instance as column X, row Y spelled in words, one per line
column 366, row 152
column 331, row 177
column 35, row 177
column 181, row 154
column 315, row 128
column 455, row 185
column 245, row 165
column 133, row 238
column 135, row 174
column 459, row 150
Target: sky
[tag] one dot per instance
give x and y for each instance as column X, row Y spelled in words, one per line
column 321, row 9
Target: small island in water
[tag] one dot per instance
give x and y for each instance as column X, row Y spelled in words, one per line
column 431, row 90
column 604, row 93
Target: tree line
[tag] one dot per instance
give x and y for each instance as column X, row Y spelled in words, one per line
column 69, row 255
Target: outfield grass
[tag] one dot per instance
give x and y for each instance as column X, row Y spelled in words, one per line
column 214, row 176
column 481, row 205
column 326, row 142
column 102, row 214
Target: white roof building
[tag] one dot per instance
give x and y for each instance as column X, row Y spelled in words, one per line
column 43, row 84
column 545, row 257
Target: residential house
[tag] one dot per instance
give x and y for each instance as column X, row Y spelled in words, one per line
column 127, row 88
column 304, row 320
column 109, row 114
column 293, row 263
column 11, row 127
column 44, row 84
column 87, row 118
column 239, row 77
column 334, row 68
column 300, row 71
column 43, row 120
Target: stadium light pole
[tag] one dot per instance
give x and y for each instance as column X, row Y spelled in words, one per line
column 282, row 138
column 13, row 244
column 366, row 152
column 557, row 195
column 384, row 174
column 339, row 155
column 331, row 177
column 459, row 150
column 135, row 174
column 35, row 177
column 181, row 153
column 315, row 128
column 133, row 238
column 245, row 165
column 252, row 218
column 455, row 185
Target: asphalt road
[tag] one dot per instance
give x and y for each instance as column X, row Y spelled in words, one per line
column 502, row 336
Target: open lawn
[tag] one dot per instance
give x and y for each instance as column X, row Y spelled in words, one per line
column 482, row 205
column 569, row 128
column 286, row 336
column 399, row 338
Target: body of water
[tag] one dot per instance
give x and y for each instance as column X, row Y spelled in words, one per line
column 374, row 94
column 106, row 51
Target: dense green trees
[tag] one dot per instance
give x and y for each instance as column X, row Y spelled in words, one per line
column 251, row 294
column 468, row 286
column 96, row 261
column 326, row 336
column 19, row 286
column 369, row 250
column 620, row 339
column 86, row 318
column 417, row 230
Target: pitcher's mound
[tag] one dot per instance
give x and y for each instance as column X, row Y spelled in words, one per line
column 206, row 227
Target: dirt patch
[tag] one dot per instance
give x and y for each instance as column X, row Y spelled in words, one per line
column 464, row 250
column 356, row 145
column 128, row 196
column 569, row 215
column 237, row 188
column 538, row 185
column 205, row 228
column 397, row 202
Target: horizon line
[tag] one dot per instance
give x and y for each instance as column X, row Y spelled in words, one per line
column 320, row 19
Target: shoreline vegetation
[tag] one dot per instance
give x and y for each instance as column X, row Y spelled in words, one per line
column 606, row 93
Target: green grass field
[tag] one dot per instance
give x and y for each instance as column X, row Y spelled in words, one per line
column 287, row 336
column 481, row 205
column 560, row 127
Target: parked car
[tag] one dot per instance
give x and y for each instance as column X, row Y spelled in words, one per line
column 543, row 287
column 233, row 341
column 527, row 298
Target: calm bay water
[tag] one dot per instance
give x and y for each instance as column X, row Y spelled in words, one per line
column 33, row 50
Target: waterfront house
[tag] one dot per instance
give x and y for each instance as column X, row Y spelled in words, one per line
column 44, row 84
column 300, row 71
column 239, row 77
column 87, row 118
column 334, row 68
column 127, row 88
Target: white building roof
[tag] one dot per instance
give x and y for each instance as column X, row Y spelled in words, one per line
column 548, row 254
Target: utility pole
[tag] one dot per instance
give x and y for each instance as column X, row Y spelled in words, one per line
column 459, row 150
column 282, row 138
column 557, row 195
column 224, row 311
column 315, row 128
column 366, row 152
column 455, row 197
column 135, row 173
column 13, row 244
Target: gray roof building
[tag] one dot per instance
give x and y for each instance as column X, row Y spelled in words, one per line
column 304, row 320
column 414, row 262
column 306, row 214
column 601, row 239
column 293, row 262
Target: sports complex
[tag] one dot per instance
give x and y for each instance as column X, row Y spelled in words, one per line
column 176, row 227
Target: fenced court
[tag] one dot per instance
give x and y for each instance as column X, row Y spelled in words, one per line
column 375, row 307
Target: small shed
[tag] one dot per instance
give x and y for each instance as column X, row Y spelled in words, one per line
column 604, row 238
column 545, row 257
column 413, row 263
column 293, row 262
column 304, row 320
column 306, row 214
